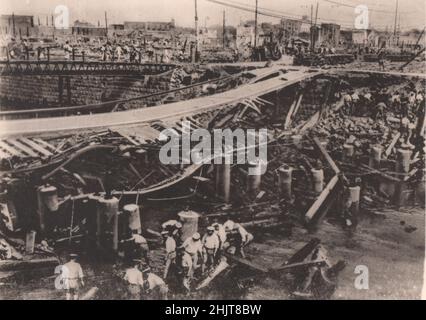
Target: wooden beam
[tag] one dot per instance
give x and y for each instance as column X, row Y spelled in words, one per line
column 320, row 200
column 327, row 156
column 247, row 263
column 392, row 145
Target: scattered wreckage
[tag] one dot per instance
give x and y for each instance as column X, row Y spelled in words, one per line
column 321, row 159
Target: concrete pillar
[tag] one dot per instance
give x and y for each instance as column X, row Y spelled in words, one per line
column 348, row 152
column 285, row 175
column 254, row 179
column 47, row 201
column 30, row 242
column 50, row 197
column 189, row 221
column 132, row 211
column 375, row 157
column 403, row 161
column 223, row 180
column 107, row 211
column 355, row 193
column 318, row 180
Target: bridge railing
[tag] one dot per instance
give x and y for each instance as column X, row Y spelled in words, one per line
column 25, row 67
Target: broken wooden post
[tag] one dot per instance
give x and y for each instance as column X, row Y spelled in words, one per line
column 320, row 200
column 284, row 181
column 318, row 180
column 189, row 221
column 254, row 179
column 223, row 179
column 133, row 213
column 375, row 157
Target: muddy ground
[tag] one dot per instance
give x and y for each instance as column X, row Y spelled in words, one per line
column 394, row 257
column 390, row 243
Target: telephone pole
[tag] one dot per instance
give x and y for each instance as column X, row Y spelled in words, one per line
column 13, row 24
column 224, row 30
column 396, row 16
column 255, row 27
column 106, row 25
column 196, row 32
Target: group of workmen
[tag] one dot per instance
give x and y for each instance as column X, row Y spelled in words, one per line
column 186, row 259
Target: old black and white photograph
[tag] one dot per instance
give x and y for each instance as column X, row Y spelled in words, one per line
column 223, row 150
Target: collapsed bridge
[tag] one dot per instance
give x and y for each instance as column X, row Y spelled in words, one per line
column 319, row 146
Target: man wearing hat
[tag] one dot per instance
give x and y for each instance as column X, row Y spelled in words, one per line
column 174, row 227
column 220, row 232
column 72, row 274
column 154, row 285
column 238, row 236
column 194, row 248
column 186, row 262
column 134, row 280
column 170, row 244
column 210, row 247
column 136, row 247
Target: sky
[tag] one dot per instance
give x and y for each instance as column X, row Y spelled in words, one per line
column 413, row 14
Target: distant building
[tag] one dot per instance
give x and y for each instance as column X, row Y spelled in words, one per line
column 346, row 37
column 82, row 28
column 412, row 37
column 291, row 27
column 17, row 25
column 245, row 35
column 116, row 30
column 208, row 37
column 367, row 37
column 150, row 26
column 330, row 34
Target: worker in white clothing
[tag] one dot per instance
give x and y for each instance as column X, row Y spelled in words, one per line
column 211, row 245
column 187, row 265
column 134, row 279
column 154, row 285
column 237, row 236
column 73, row 277
column 170, row 244
column 67, row 50
column 220, row 232
column 175, row 228
column 194, row 248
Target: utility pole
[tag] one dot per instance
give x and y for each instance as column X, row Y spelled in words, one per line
column 311, row 33
column 196, row 32
column 13, row 24
column 396, row 15
column 106, row 25
column 255, row 26
column 224, row 30
column 53, row 24
column 314, row 29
